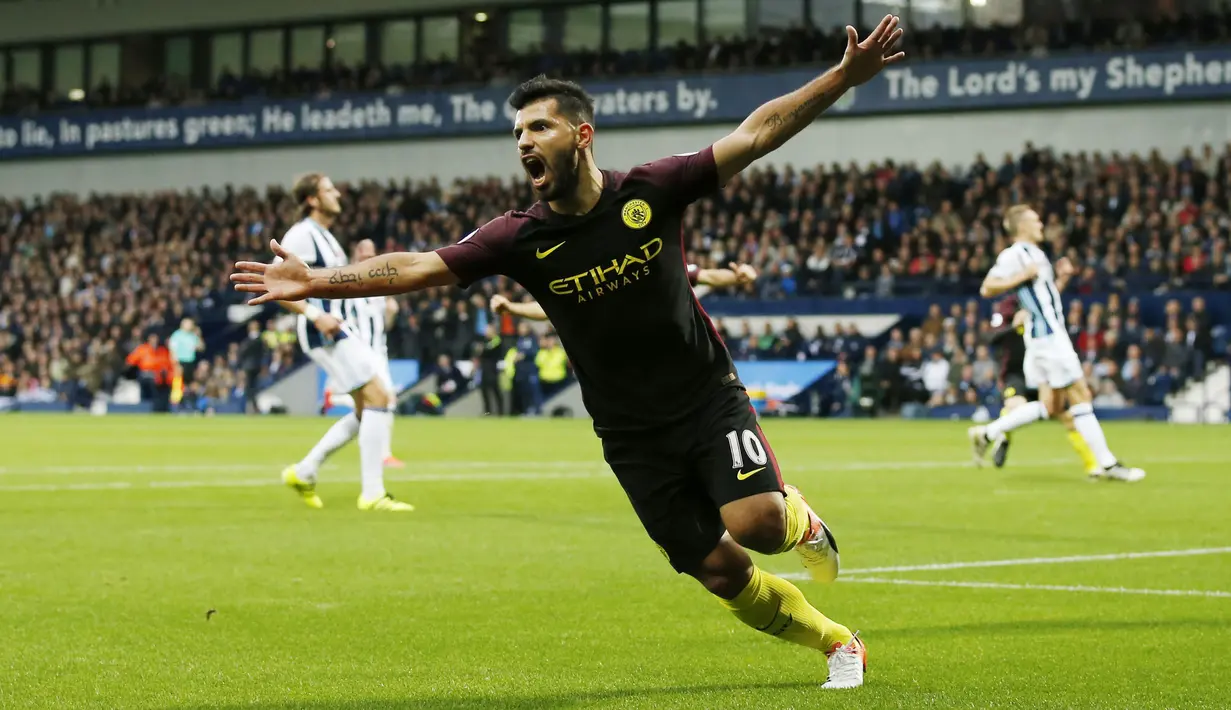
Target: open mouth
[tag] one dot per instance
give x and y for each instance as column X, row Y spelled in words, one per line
column 536, row 169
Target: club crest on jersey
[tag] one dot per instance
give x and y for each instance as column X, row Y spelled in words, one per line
column 636, row 214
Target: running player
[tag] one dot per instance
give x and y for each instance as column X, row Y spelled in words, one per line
column 698, row 277
column 1007, row 334
column 346, row 357
column 370, row 317
column 1050, row 363
column 602, row 252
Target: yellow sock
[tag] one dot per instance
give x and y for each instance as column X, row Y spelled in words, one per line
column 775, row 606
column 797, row 521
column 1083, row 450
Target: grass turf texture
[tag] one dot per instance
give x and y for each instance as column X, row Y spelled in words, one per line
column 523, row 580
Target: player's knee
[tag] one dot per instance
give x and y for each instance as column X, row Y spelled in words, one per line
column 759, row 524
column 376, row 396
column 726, row 584
column 725, row 572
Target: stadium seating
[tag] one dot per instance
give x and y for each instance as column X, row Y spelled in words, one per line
column 85, row 280
column 772, row 48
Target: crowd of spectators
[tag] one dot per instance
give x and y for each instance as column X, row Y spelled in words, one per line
column 85, row 281
column 485, row 63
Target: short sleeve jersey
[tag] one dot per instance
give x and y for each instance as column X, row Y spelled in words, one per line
column 616, row 286
column 318, row 248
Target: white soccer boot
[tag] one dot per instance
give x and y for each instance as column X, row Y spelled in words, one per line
column 847, row 665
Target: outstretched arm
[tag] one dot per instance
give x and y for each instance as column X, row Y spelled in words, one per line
column 734, row 275
column 531, row 310
column 775, row 122
column 386, row 275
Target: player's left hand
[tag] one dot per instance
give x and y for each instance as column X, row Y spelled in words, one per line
column 864, row 60
column 499, row 304
column 1065, row 268
column 286, row 280
column 744, row 273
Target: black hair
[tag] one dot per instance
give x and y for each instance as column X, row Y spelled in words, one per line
column 571, row 99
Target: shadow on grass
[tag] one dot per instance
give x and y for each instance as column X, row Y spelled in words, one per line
column 519, row 702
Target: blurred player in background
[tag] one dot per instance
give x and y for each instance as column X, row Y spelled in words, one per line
column 701, row 279
column 601, row 252
column 371, row 318
column 341, row 349
column 1050, row 363
column 1007, row 335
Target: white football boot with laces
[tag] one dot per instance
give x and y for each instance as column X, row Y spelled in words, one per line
column 847, row 664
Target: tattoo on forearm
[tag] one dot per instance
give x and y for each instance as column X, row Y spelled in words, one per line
column 776, row 120
column 388, row 271
column 338, row 277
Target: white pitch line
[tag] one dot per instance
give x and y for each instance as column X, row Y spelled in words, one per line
column 1043, row 560
column 237, row 468
column 588, row 465
column 273, row 481
column 1043, row 587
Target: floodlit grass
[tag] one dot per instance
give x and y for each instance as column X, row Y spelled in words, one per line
column 524, row 580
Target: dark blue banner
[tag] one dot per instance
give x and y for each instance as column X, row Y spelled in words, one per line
column 924, row 86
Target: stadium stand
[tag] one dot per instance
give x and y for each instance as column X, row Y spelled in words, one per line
column 772, row 48
column 86, row 281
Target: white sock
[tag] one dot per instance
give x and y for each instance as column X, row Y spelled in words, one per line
column 342, row 400
column 338, row 435
column 389, row 439
column 374, row 433
column 1088, row 426
column 1020, row 417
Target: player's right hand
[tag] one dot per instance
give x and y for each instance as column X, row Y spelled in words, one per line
column 864, row 60
column 285, row 280
column 500, row 304
column 327, row 324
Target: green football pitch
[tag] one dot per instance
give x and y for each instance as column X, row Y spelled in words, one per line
column 157, row 563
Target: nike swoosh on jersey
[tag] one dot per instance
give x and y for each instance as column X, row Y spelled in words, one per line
column 544, row 253
column 743, row 476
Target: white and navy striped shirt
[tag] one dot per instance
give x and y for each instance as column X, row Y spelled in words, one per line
column 319, row 249
column 1039, row 297
column 366, row 317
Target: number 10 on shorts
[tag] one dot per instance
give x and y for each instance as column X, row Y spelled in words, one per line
column 751, row 445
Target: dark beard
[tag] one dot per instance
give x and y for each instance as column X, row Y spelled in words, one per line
column 568, row 175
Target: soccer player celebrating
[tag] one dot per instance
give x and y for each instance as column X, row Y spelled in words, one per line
column 602, row 253
column 345, row 355
column 1008, row 334
column 1050, row 363
column 710, row 278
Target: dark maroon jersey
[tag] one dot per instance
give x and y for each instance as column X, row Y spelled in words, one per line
column 615, row 284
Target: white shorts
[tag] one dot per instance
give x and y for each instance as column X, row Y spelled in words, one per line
column 382, row 371
column 1052, row 362
column 349, row 363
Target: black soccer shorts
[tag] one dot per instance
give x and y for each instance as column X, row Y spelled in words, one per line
column 679, row 477
column 1015, row 385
